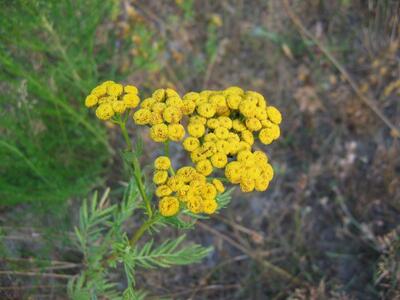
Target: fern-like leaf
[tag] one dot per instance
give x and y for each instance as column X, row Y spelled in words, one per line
column 168, row 254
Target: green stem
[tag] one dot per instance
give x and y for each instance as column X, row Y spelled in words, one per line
column 166, row 148
column 126, row 136
column 166, row 153
column 137, row 171
column 138, row 177
column 142, row 229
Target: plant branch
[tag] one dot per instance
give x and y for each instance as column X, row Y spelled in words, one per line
column 142, row 229
column 137, row 171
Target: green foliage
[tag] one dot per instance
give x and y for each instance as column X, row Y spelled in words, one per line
column 147, row 47
column 212, row 41
column 224, row 199
column 104, row 244
column 49, row 148
column 52, row 53
column 188, row 10
column 167, row 255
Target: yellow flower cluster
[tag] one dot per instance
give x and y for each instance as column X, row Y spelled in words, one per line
column 163, row 111
column 112, row 98
column 187, row 188
column 222, row 132
column 219, row 132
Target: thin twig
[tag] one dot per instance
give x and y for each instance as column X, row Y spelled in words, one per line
column 370, row 103
column 30, row 287
column 254, row 234
column 50, row 275
column 268, row 265
column 204, row 280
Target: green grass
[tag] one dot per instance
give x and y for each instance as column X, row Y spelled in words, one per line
column 52, row 53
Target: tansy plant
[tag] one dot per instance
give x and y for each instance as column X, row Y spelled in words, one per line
column 217, row 130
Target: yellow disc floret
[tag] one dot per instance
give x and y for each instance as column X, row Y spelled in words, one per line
column 162, row 163
column 168, row 206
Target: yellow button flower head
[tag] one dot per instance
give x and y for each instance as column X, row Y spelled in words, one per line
column 142, row 116
column 168, row 206
column 191, row 143
column 261, row 184
column 160, row 177
column 156, row 118
column 162, row 163
column 238, row 125
column 176, row 132
column 188, row 107
column 206, row 110
column 253, row 124
column 91, row 100
column 219, row 160
column 115, row 89
column 172, row 114
column 225, row 122
column 265, row 136
column 105, row 111
column 234, row 90
column 233, row 101
column 211, row 137
column 158, row 107
column 159, row 95
column 197, row 118
column 224, row 147
column 247, row 108
column 247, row 136
column 221, row 133
column 187, row 173
column 174, row 101
column 209, row 206
column 175, row 183
column 204, row 167
column 247, row 185
column 131, row 100
column 192, row 96
column 196, row 129
column 99, row 91
column 131, row 89
column 274, row 115
column 213, row 123
column 148, row 103
column 208, row 191
column 233, row 172
column 171, row 93
column 218, row 185
column 118, row 107
column 159, row 133
column 163, row 190
column 195, row 204
column 182, row 192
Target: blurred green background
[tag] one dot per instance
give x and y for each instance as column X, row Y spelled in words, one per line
column 331, row 215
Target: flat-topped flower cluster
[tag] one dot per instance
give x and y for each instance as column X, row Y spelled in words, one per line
column 218, row 129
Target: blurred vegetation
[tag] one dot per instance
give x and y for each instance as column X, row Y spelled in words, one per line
column 51, row 54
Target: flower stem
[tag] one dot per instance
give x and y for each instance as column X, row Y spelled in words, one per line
column 126, row 136
column 138, row 177
column 142, row 229
column 137, row 170
column 166, row 153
